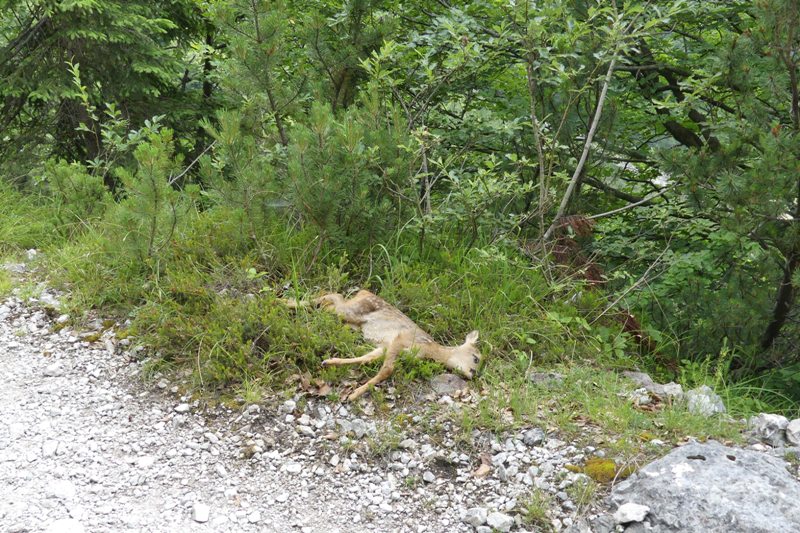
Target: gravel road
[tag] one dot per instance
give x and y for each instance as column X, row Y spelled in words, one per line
column 84, row 446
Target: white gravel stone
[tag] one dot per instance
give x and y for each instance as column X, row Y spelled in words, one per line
column 61, row 489
column 49, row 448
column 54, row 370
column 500, row 521
column 630, row 512
column 475, row 516
column 182, row 408
column 201, row 512
column 288, row 406
column 793, row 432
column 146, row 462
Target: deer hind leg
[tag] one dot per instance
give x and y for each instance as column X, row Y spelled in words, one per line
column 377, row 353
column 345, row 309
column 386, row 370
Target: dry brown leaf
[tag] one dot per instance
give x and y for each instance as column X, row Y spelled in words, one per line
column 482, row 471
column 323, row 390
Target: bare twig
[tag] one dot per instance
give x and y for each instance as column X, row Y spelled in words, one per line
column 586, row 149
column 193, row 163
column 641, row 280
column 629, row 206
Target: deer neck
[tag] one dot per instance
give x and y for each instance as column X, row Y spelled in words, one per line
column 439, row 353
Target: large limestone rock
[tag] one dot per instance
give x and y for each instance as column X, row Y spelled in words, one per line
column 713, row 488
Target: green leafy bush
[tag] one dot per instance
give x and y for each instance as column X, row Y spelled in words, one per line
column 78, row 197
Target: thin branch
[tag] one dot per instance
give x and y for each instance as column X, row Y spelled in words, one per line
column 643, row 201
column 586, row 149
column 641, row 280
column 193, row 163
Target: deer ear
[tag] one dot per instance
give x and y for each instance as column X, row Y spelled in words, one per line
column 472, row 337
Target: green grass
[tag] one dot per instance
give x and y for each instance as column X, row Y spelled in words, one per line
column 6, row 284
column 25, row 221
column 211, row 304
column 583, row 493
column 534, row 510
column 590, row 407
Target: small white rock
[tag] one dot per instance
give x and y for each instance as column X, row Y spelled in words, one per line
column 476, row 516
column 182, row 408
column 288, row 406
column 61, row 489
column 200, row 512
column 54, row 370
column 500, row 521
column 793, row 432
column 630, row 512
column 49, row 448
column 146, row 462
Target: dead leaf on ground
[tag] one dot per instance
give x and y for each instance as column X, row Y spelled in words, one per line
column 482, row 471
column 485, row 468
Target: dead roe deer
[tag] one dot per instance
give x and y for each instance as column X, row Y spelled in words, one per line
column 392, row 332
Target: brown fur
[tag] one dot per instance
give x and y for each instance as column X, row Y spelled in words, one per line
column 392, row 332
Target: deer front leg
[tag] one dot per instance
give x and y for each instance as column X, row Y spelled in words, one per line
column 377, row 353
column 386, row 370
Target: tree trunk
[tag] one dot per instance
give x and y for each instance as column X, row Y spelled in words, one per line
column 783, row 301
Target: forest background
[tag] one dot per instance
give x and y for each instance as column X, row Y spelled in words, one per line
column 609, row 185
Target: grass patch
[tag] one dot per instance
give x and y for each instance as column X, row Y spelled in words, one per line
column 211, row 302
column 25, row 221
column 6, row 283
column 534, row 510
column 583, row 492
column 589, row 407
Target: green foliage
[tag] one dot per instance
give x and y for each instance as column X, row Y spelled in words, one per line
column 340, row 183
column 710, row 283
column 78, row 197
column 25, row 220
column 187, row 162
column 5, row 283
column 535, row 509
column 131, row 52
column 145, row 221
column 231, row 338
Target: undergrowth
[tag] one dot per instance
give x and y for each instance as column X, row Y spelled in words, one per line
column 211, row 303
